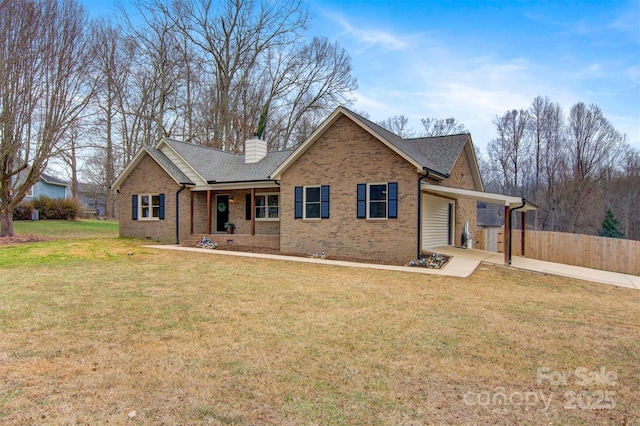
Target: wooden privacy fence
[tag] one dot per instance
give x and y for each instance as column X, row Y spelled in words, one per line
column 607, row 254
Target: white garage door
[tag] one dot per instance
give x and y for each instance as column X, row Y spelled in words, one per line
column 436, row 219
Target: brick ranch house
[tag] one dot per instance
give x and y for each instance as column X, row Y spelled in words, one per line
column 352, row 189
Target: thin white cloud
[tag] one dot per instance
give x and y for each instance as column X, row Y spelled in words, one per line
column 420, row 75
column 370, row 37
column 627, row 21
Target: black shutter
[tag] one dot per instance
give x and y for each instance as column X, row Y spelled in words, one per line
column 161, row 206
column 392, row 188
column 298, row 202
column 134, row 207
column 362, row 201
column 247, row 209
column 324, row 201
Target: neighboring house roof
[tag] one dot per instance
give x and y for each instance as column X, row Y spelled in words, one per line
column 491, row 216
column 437, row 154
column 52, row 180
column 217, row 166
column 90, row 188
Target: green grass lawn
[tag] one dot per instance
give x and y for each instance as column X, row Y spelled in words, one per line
column 94, row 327
column 67, row 229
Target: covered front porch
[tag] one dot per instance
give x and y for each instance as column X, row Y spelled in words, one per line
column 248, row 215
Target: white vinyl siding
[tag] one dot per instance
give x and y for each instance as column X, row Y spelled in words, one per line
column 435, row 221
column 184, row 167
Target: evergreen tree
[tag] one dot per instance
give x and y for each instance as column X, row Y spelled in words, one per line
column 610, row 226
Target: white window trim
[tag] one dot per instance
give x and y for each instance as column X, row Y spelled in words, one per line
column 140, row 217
column 266, row 206
column 29, row 192
column 304, row 203
column 386, row 201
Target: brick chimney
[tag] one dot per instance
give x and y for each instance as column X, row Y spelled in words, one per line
column 255, row 149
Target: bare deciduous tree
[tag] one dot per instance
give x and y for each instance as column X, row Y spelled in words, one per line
column 574, row 164
column 43, row 66
column 234, row 35
column 256, row 72
column 398, row 124
column 510, row 148
column 442, row 126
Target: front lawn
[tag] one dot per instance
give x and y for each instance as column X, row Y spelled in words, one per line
column 64, row 229
column 97, row 330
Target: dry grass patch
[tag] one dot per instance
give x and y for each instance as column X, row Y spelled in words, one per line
column 187, row 338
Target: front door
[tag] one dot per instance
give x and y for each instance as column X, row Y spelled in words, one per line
column 222, row 212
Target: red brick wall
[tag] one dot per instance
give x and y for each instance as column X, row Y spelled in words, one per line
column 344, row 156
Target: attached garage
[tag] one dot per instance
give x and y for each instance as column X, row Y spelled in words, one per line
column 437, row 221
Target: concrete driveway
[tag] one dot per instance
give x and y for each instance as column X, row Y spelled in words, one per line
column 519, row 262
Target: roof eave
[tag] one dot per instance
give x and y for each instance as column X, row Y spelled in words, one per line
column 277, row 174
column 475, row 169
column 163, row 142
column 134, row 162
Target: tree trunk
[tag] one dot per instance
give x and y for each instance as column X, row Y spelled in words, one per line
column 6, row 223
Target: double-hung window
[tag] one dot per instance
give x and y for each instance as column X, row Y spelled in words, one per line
column 311, row 202
column 377, row 206
column 267, row 206
column 147, row 206
column 377, row 200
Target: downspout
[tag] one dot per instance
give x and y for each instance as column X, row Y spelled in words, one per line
column 419, row 233
column 511, row 226
column 178, row 212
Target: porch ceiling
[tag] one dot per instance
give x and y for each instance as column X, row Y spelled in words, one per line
column 487, row 197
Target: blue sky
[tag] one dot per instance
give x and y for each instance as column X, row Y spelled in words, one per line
column 473, row 60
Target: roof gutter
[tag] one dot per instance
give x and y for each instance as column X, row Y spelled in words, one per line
column 435, row 173
column 213, row 182
column 524, row 202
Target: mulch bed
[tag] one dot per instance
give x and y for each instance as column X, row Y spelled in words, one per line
column 21, row 239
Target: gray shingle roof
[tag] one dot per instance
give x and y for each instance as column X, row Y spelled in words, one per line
column 169, row 166
column 438, row 153
column 52, row 180
column 220, row 166
column 490, row 216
